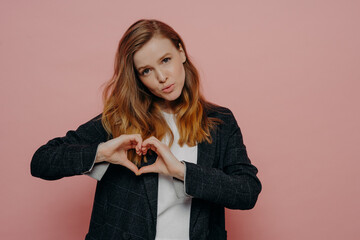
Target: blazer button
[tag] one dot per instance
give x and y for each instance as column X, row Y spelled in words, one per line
column 126, row 236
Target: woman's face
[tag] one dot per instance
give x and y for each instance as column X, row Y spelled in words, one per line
column 159, row 65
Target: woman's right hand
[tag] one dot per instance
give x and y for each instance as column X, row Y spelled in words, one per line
column 115, row 150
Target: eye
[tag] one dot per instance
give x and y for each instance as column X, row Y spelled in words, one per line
column 165, row 60
column 145, row 71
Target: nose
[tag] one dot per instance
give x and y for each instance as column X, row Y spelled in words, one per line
column 161, row 76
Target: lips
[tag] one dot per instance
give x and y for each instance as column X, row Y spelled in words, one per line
column 168, row 88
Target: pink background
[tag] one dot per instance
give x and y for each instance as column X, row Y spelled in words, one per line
column 288, row 69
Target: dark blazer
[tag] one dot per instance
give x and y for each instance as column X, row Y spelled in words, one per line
column 125, row 205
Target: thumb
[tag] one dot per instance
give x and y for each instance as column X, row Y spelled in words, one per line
column 148, row 169
column 131, row 166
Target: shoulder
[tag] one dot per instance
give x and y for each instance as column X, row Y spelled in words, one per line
column 93, row 122
column 93, row 127
column 216, row 111
column 96, row 119
column 226, row 122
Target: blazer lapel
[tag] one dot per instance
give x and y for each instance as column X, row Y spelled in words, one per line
column 206, row 157
column 151, row 189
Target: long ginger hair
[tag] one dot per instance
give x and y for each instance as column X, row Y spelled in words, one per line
column 129, row 107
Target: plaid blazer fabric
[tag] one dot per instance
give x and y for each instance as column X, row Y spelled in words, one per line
column 125, row 205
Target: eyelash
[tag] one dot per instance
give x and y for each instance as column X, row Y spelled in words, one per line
column 165, row 60
column 143, row 72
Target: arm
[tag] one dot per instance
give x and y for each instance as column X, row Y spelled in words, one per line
column 234, row 186
column 73, row 154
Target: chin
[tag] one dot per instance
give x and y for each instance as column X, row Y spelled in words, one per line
column 172, row 97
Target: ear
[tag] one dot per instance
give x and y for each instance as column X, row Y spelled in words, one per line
column 182, row 53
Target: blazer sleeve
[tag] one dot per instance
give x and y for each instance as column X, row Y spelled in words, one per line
column 73, row 154
column 234, row 185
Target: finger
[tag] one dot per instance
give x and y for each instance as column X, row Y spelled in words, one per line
column 144, row 149
column 151, row 139
column 148, row 169
column 147, row 144
column 139, row 143
column 135, row 139
column 127, row 147
column 130, row 146
column 151, row 143
column 154, row 144
column 131, row 166
column 136, row 143
column 149, row 147
column 131, row 141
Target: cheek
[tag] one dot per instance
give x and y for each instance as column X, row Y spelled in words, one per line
column 150, row 85
column 147, row 83
column 179, row 72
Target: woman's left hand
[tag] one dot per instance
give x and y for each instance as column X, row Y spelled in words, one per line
column 166, row 163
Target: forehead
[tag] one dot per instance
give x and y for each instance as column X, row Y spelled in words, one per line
column 153, row 50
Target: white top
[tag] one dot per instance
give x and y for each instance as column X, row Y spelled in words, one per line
column 173, row 211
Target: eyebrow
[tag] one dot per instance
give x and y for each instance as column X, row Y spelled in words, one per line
column 140, row 68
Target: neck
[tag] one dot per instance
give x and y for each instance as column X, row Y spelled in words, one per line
column 167, row 106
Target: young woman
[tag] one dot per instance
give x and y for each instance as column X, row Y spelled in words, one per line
column 167, row 161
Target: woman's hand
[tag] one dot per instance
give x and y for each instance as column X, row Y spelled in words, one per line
column 115, row 151
column 166, row 163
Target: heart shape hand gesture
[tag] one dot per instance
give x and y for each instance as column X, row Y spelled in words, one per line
column 115, row 151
